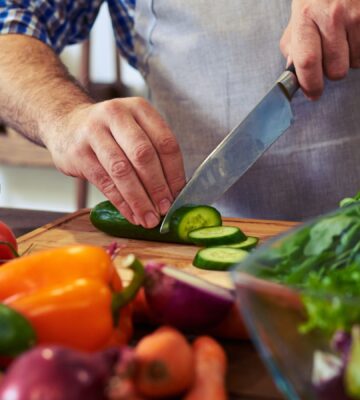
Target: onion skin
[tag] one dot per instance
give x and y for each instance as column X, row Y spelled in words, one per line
column 58, row 373
column 177, row 303
column 333, row 389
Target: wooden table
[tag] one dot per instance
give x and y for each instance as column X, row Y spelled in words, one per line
column 247, row 379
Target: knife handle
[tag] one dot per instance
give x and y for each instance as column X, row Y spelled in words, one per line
column 288, row 82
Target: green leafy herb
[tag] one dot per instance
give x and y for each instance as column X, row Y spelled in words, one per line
column 322, row 259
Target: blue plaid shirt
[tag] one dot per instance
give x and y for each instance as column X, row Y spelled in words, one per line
column 62, row 22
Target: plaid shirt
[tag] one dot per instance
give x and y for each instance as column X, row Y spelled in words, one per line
column 62, row 22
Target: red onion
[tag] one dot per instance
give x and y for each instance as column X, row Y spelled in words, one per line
column 183, row 300
column 58, row 373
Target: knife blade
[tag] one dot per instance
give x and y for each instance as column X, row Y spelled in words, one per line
column 239, row 150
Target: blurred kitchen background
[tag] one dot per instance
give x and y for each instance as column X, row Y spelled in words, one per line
column 27, row 177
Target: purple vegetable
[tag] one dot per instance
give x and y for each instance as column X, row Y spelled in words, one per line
column 58, row 373
column 183, row 300
column 341, row 343
column 328, row 377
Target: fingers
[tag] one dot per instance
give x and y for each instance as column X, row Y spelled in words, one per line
column 164, row 142
column 323, row 38
column 335, row 45
column 124, row 178
column 143, row 156
column 96, row 174
column 307, row 55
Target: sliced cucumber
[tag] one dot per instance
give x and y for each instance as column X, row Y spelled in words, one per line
column 247, row 244
column 218, row 258
column 216, row 235
column 187, row 218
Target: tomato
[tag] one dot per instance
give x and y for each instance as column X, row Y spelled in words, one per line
column 7, row 235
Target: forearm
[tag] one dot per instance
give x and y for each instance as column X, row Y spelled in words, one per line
column 36, row 91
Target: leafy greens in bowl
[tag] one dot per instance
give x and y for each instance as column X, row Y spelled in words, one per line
column 299, row 292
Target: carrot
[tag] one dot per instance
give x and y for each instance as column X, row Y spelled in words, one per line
column 210, row 371
column 165, row 364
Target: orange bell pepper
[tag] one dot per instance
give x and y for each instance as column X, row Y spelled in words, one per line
column 72, row 296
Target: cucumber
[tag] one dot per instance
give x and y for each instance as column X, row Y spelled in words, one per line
column 188, row 218
column 218, row 258
column 216, row 235
column 247, row 244
column 105, row 217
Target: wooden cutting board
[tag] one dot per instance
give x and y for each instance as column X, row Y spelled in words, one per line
column 76, row 228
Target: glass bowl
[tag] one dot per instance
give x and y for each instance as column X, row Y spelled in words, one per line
column 298, row 328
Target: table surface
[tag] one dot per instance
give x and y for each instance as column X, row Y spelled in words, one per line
column 248, row 379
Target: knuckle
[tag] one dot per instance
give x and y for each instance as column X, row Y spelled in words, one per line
column 143, row 153
column 307, row 61
column 335, row 13
column 168, row 145
column 120, row 168
column 157, row 190
column 79, row 151
column 112, row 108
column 122, row 206
column 107, row 187
column 138, row 205
column 177, row 182
column 139, row 102
column 305, row 11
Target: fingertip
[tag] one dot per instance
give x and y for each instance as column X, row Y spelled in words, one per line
column 151, row 220
column 313, row 95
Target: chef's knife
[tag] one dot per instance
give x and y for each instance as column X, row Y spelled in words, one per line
column 241, row 147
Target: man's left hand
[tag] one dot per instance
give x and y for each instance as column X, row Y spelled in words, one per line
column 322, row 38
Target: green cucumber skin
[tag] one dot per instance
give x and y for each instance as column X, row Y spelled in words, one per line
column 242, row 245
column 105, row 217
column 214, row 241
column 204, row 262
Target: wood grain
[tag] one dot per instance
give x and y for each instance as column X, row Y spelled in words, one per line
column 76, row 228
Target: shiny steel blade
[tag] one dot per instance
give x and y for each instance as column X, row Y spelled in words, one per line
column 237, row 152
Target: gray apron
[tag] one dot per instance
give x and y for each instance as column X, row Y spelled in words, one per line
column 207, row 64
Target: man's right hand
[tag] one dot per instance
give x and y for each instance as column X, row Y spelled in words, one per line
column 124, row 148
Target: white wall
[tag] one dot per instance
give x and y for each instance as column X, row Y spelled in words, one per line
column 47, row 189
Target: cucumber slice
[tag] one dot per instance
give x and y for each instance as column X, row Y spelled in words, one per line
column 218, row 258
column 187, row 218
column 247, row 244
column 216, row 235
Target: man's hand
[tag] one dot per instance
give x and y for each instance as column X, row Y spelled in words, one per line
column 322, row 37
column 127, row 151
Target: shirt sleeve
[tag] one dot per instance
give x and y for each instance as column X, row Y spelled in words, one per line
column 55, row 22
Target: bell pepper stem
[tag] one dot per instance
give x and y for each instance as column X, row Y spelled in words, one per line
column 121, row 299
column 11, row 247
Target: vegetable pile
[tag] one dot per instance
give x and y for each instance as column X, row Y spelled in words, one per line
column 66, row 321
column 162, row 365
